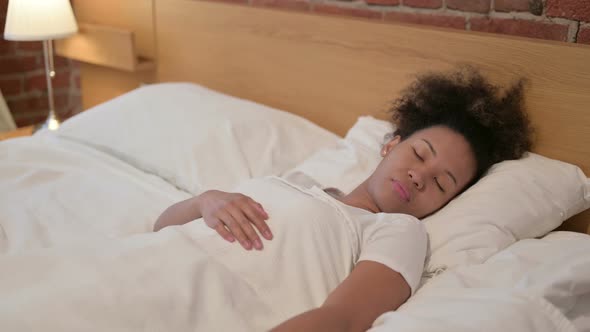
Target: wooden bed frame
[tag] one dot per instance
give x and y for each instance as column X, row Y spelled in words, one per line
column 333, row 69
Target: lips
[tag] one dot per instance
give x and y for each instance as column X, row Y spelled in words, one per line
column 401, row 190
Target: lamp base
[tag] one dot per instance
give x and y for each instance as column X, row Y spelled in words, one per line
column 52, row 122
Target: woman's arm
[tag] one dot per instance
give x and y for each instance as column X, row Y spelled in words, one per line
column 370, row 290
column 232, row 215
column 179, row 213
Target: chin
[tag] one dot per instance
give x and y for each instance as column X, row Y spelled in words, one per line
column 388, row 205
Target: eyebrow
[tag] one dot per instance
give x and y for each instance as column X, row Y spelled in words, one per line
column 434, row 153
column 452, row 177
column 430, row 146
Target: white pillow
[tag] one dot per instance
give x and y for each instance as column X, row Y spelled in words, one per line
column 515, row 200
column 196, row 138
column 349, row 163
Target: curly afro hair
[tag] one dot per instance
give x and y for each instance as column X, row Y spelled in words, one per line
column 495, row 125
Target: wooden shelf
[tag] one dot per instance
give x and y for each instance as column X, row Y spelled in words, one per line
column 19, row 132
column 105, row 46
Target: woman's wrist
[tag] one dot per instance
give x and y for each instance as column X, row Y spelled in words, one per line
column 196, row 205
column 180, row 213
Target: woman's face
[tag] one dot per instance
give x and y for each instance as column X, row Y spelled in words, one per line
column 422, row 173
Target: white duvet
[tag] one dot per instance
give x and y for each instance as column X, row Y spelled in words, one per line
column 533, row 285
column 54, row 191
column 71, row 216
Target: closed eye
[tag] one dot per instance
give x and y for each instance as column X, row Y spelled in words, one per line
column 417, row 155
column 438, row 185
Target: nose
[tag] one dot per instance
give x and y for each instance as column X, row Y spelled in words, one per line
column 416, row 179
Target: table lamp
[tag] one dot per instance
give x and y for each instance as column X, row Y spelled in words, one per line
column 41, row 20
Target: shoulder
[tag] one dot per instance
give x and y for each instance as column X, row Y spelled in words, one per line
column 400, row 222
column 394, row 232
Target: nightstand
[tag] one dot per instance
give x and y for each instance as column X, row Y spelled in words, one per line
column 23, row 131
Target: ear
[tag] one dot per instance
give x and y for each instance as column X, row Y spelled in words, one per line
column 390, row 145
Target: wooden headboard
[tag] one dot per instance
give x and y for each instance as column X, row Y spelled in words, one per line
column 333, row 69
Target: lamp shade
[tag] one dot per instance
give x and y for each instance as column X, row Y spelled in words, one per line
column 39, row 20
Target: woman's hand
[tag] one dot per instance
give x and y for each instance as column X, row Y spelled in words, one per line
column 232, row 216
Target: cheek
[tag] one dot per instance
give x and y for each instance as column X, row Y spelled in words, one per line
column 384, row 171
column 430, row 202
column 386, row 199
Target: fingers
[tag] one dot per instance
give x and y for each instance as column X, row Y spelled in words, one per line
column 237, row 216
column 221, row 230
column 257, row 216
column 236, row 229
column 246, row 226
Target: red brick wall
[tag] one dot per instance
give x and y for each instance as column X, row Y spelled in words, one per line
column 22, row 78
column 23, row 83
column 562, row 20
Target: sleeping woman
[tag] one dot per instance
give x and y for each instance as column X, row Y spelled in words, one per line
column 312, row 261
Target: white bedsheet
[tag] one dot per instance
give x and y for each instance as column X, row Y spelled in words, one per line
column 533, row 285
column 56, row 194
column 53, row 192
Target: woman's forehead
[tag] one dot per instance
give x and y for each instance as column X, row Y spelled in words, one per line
column 439, row 135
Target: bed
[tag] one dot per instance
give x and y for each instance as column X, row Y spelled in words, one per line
column 314, row 114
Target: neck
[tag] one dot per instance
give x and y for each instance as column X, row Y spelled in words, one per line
column 361, row 198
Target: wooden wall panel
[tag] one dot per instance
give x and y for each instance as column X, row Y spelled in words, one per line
column 133, row 15
column 100, row 83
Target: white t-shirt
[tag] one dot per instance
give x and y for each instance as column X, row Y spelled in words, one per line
column 318, row 240
column 398, row 241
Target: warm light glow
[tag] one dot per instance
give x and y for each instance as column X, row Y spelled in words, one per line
column 52, row 124
column 39, row 20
